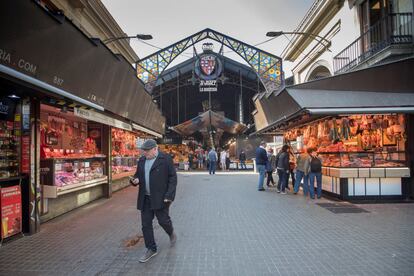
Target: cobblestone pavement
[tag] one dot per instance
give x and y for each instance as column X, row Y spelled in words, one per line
column 224, row 227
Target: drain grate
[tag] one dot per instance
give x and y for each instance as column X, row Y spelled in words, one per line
column 342, row 208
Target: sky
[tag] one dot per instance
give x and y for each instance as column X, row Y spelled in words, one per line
column 245, row 20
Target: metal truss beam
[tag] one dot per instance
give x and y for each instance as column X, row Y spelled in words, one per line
column 268, row 67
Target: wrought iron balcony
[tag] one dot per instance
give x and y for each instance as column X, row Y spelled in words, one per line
column 394, row 29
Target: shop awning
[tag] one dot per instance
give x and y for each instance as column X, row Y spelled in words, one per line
column 56, row 58
column 332, row 102
column 204, row 120
column 357, row 92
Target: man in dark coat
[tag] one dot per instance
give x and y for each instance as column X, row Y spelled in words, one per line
column 261, row 161
column 157, row 181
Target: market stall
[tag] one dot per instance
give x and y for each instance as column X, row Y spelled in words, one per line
column 125, row 154
column 178, row 152
column 71, row 156
column 362, row 155
column 361, row 126
column 11, row 178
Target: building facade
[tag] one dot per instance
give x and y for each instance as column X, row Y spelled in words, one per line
column 343, row 36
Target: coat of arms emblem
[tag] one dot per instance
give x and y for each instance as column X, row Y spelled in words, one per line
column 208, row 64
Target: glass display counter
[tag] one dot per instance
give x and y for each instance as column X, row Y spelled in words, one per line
column 363, row 159
column 63, row 175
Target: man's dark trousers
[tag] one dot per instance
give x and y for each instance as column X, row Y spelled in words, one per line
column 147, row 216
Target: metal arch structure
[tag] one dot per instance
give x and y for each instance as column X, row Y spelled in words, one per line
column 268, row 67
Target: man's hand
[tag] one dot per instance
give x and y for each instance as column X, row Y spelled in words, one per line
column 167, row 201
column 134, row 181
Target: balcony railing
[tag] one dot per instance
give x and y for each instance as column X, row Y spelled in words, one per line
column 396, row 28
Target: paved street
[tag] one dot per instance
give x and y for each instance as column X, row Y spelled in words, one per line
column 224, row 227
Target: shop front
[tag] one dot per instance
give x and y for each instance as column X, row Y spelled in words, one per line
column 73, row 160
column 360, row 125
column 125, row 154
column 14, row 167
column 58, row 106
column 363, row 156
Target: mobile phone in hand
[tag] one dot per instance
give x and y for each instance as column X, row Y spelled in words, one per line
column 132, row 181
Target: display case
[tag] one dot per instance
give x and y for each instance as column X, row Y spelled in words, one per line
column 363, row 159
column 9, row 154
column 125, row 152
column 63, row 175
column 123, row 166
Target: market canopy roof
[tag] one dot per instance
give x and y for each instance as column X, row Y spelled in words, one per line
column 268, row 67
column 380, row 89
column 204, row 120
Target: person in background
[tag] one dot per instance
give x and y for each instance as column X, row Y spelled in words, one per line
column 242, row 159
column 212, row 160
column 261, row 161
column 223, row 155
column 190, row 160
column 206, row 161
column 200, row 158
column 315, row 173
column 282, row 165
column 270, row 167
column 227, row 160
column 292, row 166
column 302, row 172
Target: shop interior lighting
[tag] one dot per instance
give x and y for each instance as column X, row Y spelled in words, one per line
column 13, row 96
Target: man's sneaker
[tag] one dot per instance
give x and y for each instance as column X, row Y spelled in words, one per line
column 278, row 191
column 148, row 255
column 173, row 239
column 283, row 192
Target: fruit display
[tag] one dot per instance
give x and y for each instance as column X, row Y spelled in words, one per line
column 179, row 153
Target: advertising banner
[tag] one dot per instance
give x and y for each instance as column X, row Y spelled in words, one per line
column 11, row 211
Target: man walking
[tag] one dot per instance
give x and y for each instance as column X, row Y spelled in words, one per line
column 261, row 160
column 223, row 155
column 282, row 164
column 212, row 157
column 157, row 181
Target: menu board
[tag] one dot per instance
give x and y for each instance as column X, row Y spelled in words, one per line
column 11, row 211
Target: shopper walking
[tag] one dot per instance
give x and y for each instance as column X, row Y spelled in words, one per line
column 282, row 165
column 223, row 155
column 227, row 160
column 190, row 160
column 315, row 173
column 302, row 172
column 200, row 158
column 292, row 166
column 242, row 159
column 261, row 160
column 212, row 160
column 270, row 167
column 157, row 180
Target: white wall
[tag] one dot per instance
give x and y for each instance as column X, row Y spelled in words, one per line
column 349, row 31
